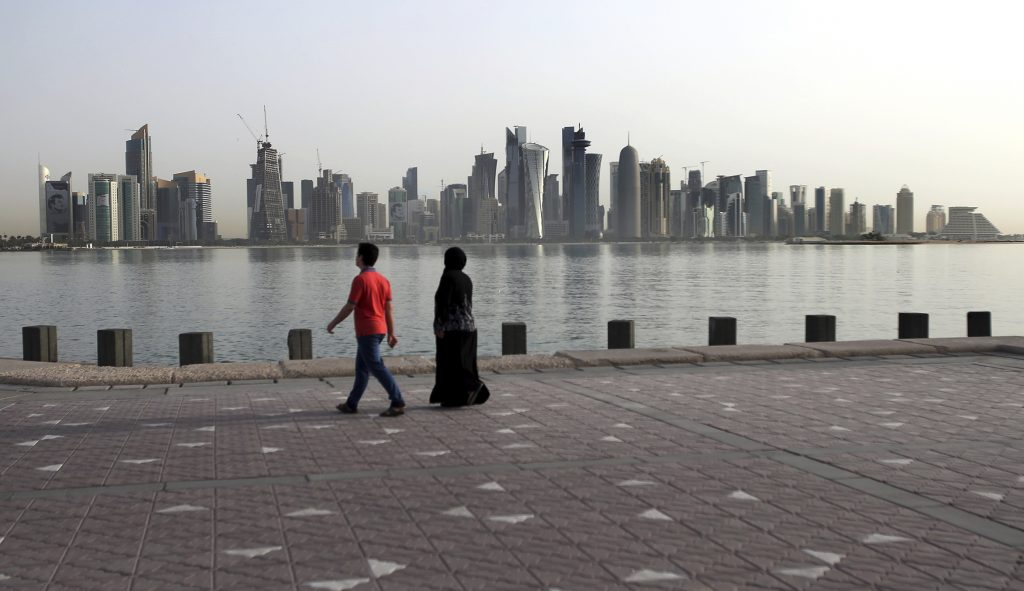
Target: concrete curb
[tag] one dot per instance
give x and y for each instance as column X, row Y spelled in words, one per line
column 30, row 373
column 600, row 357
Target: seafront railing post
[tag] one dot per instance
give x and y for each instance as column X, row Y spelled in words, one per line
column 819, row 328
column 39, row 343
column 300, row 343
column 621, row 334
column 195, row 347
column 721, row 330
column 513, row 338
column 979, row 324
column 913, row 325
column 114, row 347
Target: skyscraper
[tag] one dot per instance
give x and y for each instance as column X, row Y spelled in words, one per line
column 44, row 177
column 905, row 211
column 534, row 169
column 306, row 187
column 594, row 221
column 858, row 219
column 366, row 209
column 655, row 184
column 567, row 184
column 693, row 208
column 836, row 213
column 730, row 219
column 397, row 198
column 935, row 220
column 288, row 194
column 410, row 182
column 514, row 197
column 882, row 219
column 168, row 211
column 131, row 218
column 104, row 207
column 552, row 199
column 348, row 199
column 627, row 205
column 482, row 177
column 820, row 207
column 138, row 162
column 324, row 213
column 480, row 187
column 613, row 197
column 578, row 195
column 59, row 217
column 453, row 201
column 765, row 176
column 268, row 223
column 797, row 195
column 756, row 207
column 196, row 194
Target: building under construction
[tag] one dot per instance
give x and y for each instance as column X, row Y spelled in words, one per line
column 267, row 222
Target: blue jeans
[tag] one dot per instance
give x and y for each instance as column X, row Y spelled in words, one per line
column 368, row 361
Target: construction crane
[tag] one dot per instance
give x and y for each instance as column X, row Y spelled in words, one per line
column 702, row 163
column 319, row 165
column 251, row 132
column 266, row 132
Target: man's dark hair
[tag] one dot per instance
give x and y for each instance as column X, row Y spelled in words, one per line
column 369, row 252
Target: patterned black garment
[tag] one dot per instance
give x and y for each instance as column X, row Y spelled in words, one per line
column 457, row 380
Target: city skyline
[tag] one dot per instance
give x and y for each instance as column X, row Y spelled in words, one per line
column 912, row 111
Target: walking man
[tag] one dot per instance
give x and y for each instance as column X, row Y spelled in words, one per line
column 370, row 300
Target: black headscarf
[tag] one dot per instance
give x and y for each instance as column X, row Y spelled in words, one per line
column 454, row 296
column 455, row 258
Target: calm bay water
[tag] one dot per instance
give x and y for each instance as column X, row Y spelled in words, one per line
column 251, row 297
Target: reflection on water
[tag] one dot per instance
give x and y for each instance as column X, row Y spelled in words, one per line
column 566, row 294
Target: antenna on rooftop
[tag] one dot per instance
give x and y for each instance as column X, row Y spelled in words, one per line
column 266, row 132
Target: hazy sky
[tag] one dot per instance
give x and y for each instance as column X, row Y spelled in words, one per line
column 862, row 95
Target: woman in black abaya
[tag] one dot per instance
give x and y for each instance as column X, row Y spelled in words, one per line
column 457, row 380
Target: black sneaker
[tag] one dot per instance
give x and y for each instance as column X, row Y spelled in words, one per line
column 393, row 411
column 345, row 409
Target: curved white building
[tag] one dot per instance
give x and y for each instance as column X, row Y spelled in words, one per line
column 535, row 168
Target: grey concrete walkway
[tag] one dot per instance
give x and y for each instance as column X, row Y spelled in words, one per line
column 901, row 472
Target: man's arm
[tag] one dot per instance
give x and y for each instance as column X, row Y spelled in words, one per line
column 389, row 317
column 342, row 315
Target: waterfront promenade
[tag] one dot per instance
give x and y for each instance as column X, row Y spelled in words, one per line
column 881, row 465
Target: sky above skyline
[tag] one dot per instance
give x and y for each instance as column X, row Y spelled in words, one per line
column 867, row 96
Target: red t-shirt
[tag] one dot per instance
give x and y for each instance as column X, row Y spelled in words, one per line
column 370, row 294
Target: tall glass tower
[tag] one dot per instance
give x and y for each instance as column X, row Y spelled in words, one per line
column 138, row 162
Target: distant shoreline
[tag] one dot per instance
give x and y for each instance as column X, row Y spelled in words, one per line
column 789, row 242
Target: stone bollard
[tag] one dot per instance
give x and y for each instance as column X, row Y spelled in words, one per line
column 913, row 325
column 819, row 328
column 300, row 343
column 979, row 324
column 513, row 338
column 621, row 334
column 721, row 330
column 114, row 347
column 39, row 343
column 195, row 347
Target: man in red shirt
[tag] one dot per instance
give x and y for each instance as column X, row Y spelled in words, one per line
column 370, row 299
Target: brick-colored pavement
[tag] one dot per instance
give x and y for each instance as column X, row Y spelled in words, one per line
column 895, row 473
